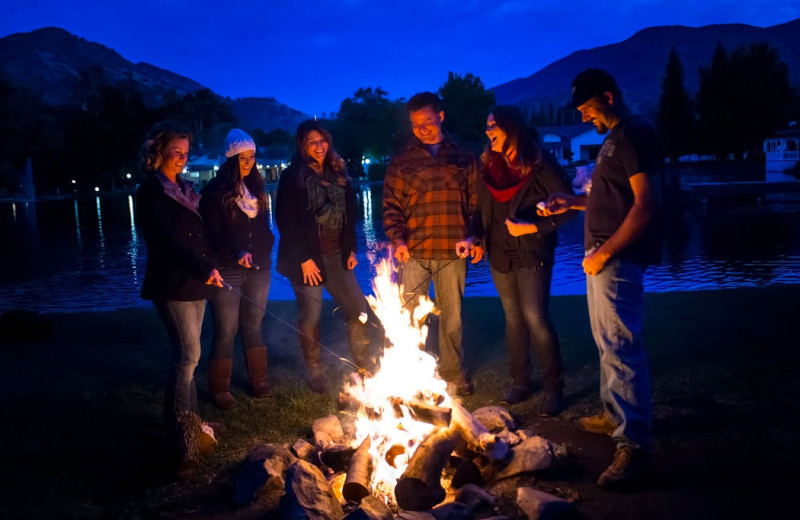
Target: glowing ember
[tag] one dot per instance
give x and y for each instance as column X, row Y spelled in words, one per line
column 407, row 374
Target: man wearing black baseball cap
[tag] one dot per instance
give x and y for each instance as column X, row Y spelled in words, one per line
column 619, row 209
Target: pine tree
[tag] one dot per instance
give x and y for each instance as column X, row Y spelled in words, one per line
column 674, row 118
column 717, row 119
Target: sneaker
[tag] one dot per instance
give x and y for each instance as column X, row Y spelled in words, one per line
column 515, row 394
column 629, row 467
column 552, row 403
column 600, row 423
column 459, row 386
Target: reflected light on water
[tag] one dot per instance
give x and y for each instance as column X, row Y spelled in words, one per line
column 102, row 256
column 134, row 249
column 77, row 223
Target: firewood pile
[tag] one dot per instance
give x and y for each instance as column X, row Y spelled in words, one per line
column 446, row 477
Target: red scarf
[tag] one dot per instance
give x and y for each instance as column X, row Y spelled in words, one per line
column 502, row 180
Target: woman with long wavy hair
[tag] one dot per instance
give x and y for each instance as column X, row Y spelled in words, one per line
column 516, row 175
column 179, row 277
column 235, row 209
column 315, row 213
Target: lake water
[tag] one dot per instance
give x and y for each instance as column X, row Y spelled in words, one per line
column 87, row 254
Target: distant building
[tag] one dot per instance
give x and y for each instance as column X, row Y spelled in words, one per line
column 571, row 143
column 783, row 150
column 203, row 168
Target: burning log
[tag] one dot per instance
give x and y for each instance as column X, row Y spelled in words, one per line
column 420, row 411
column 420, row 487
column 356, row 485
column 477, row 436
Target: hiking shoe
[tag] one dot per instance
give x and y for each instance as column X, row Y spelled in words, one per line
column 552, row 403
column 600, row 423
column 459, row 386
column 516, row 394
column 629, row 467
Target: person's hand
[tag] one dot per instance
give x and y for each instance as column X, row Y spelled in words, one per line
column 594, row 262
column 467, row 247
column 246, row 260
column 311, row 273
column 520, row 227
column 214, row 279
column 401, row 253
column 555, row 204
column 352, row 261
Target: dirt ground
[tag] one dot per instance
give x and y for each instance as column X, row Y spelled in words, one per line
column 82, row 436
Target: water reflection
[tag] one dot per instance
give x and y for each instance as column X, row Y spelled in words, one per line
column 59, row 260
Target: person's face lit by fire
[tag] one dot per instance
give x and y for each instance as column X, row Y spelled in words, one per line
column 598, row 112
column 497, row 136
column 174, row 157
column 427, row 125
column 316, row 146
column 247, row 159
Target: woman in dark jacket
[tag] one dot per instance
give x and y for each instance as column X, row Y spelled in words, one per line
column 315, row 213
column 516, row 175
column 234, row 207
column 180, row 275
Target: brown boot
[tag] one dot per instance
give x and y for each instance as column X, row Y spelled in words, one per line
column 309, row 346
column 219, row 381
column 359, row 342
column 256, row 361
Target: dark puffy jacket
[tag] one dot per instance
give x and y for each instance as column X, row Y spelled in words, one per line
column 299, row 234
column 535, row 249
column 179, row 258
column 231, row 234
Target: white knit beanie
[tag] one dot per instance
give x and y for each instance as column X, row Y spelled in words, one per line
column 238, row 141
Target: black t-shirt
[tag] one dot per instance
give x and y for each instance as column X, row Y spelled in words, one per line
column 631, row 147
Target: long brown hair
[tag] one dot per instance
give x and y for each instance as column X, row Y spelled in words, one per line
column 230, row 175
column 152, row 154
column 332, row 162
column 518, row 135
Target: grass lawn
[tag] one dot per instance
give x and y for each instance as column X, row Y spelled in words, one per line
column 82, row 435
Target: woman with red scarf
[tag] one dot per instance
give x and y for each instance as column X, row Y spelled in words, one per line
column 516, row 174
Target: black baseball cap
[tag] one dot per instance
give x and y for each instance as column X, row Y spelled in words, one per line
column 591, row 83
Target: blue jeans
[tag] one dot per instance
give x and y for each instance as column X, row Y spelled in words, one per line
column 232, row 312
column 343, row 287
column 448, row 287
column 524, row 293
column 183, row 321
column 616, row 312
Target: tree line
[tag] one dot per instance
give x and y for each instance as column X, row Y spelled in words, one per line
column 744, row 97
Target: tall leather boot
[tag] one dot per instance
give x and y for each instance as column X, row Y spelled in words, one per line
column 309, row 346
column 219, row 381
column 359, row 343
column 256, row 361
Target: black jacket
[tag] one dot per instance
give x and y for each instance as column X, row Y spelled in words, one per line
column 179, row 259
column 535, row 249
column 231, row 234
column 299, row 234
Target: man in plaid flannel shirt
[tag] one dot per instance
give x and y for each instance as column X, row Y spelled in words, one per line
column 429, row 196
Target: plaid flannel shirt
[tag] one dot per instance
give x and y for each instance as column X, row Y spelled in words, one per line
column 428, row 201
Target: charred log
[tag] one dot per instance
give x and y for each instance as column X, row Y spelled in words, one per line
column 420, row 486
column 356, row 485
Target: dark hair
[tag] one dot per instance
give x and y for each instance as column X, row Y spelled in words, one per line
column 158, row 139
column 422, row 100
column 519, row 135
column 229, row 176
column 332, row 160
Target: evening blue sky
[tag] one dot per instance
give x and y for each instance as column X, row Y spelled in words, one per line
column 311, row 54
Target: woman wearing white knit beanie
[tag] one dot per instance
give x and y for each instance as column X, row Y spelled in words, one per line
column 234, row 207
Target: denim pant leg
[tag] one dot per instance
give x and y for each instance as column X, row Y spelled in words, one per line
column 343, row 287
column 534, row 295
column 183, row 321
column 309, row 308
column 416, row 279
column 252, row 307
column 448, row 286
column 517, row 336
column 224, row 307
column 616, row 309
